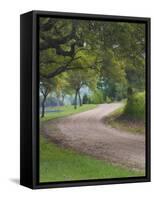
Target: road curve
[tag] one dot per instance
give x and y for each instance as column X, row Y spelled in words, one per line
column 86, row 133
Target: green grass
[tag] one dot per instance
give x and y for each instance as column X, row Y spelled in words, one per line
column 58, row 164
column 66, row 111
column 118, row 119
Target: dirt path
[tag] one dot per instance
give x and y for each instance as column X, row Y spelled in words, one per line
column 86, row 132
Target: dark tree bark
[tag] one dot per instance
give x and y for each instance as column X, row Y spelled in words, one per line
column 64, row 68
column 129, row 92
column 45, row 93
column 75, row 99
column 43, row 105
column 80, row 101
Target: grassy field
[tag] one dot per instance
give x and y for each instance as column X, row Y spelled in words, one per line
column 121, row 121
column 59, row 164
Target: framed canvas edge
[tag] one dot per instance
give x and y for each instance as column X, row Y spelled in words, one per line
column 35, row 134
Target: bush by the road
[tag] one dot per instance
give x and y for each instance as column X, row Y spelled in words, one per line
column 97, row 97
column 135, row 107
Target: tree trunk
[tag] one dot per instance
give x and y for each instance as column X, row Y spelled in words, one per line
column 75, row 99
column 129, row 92
column 43, row 106
column 63, row 97
column 58, row 99
column 58, row 102
column 80, row 102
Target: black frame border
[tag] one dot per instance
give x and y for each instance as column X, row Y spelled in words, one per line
column 35, row 184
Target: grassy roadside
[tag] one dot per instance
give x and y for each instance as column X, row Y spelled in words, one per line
column 59, row 164
column 120, row 121
column 65, row 111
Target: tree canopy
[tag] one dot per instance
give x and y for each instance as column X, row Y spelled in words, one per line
column 107, row 55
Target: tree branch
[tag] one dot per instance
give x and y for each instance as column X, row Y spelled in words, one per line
column 48, row 25
column 48, row 42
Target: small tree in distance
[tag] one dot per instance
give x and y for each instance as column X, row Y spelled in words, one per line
column 45, row 89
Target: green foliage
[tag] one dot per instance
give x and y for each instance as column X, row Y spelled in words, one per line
column 97, row 97
column 80, row 78
column 113, row 91
column 115, row 49
column 108, row 100
column 71, row 165
column 77, row 53
column 113, row 67
column 135, row 107
column 85, row 99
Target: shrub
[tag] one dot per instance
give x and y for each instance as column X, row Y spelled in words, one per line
column 108, row 100
column 135, row 107
column 97, row 97
column 85, row 99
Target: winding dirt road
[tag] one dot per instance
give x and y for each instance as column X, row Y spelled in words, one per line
column 86, row 133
